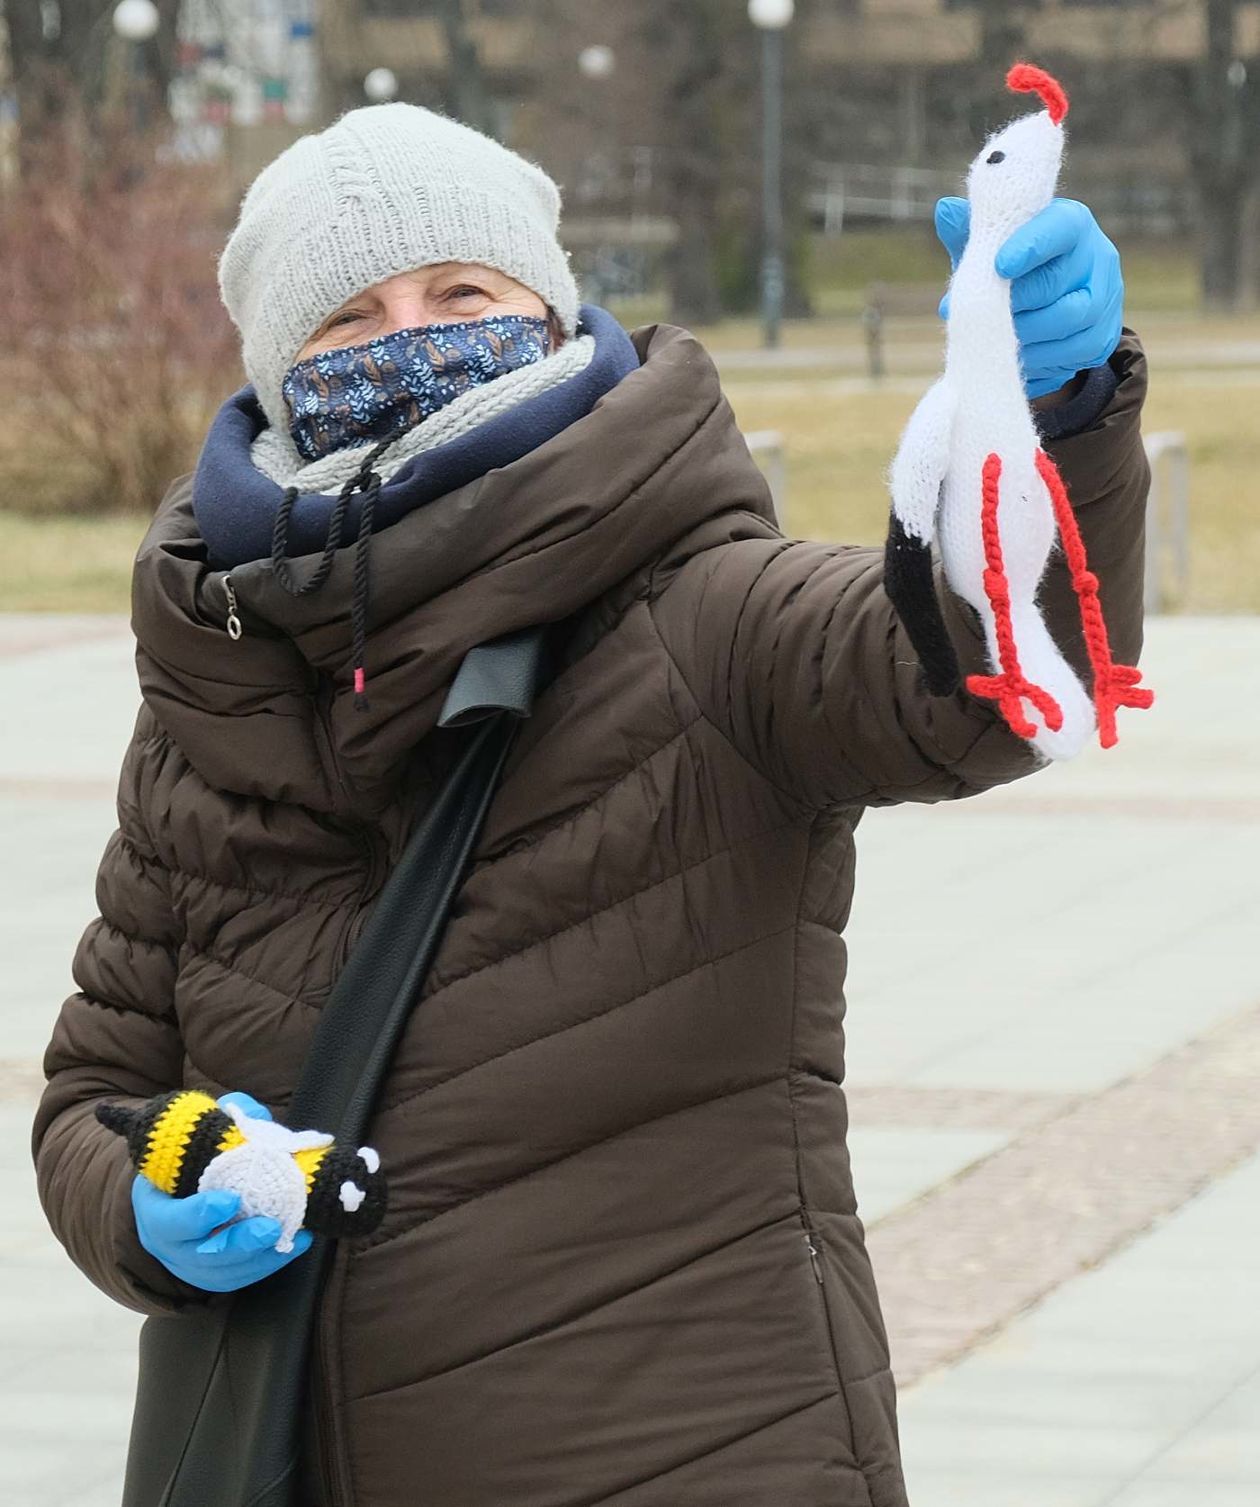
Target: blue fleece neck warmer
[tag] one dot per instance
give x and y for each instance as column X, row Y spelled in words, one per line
column 235, row 505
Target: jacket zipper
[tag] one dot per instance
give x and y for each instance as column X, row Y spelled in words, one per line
column 323, row 714
column 234, row 626
column 324, row 739
column 321, row 1372
column 374, row 848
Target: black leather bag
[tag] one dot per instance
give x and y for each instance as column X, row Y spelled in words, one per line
column 218, row 1414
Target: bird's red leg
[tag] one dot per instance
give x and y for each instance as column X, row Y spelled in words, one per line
column 1011, row 685
column 1114, row 685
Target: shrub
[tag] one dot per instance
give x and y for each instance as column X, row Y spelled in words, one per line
column 117, row 348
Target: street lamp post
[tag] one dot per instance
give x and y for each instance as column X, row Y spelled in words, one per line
column 381, row 85
column 136, row 22
column 597, row 62
column 771, row 17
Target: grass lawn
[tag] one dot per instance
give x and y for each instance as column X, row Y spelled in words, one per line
column 68, row 564
column 1157, row 274
column 839, row 444
column 840, row 434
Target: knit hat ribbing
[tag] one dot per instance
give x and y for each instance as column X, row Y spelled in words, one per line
column 385, row 189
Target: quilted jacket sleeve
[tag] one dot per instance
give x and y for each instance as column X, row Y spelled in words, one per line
column 793, row 649
column 115, row 1037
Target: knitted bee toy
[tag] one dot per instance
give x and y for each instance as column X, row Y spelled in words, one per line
column 971, row 474
column 184, row 1142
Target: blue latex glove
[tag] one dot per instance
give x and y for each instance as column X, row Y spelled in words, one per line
column 181, row 1232
column 1067, row 291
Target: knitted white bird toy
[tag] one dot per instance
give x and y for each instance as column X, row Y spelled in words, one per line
column 971, row 473
column 186, row 1142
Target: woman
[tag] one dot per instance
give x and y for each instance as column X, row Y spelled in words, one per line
column 622, row 1261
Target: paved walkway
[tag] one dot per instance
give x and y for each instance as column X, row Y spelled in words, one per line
column 1053, row 1045
column 913, row 346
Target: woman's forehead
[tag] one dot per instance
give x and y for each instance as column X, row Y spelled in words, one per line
column 424, row 276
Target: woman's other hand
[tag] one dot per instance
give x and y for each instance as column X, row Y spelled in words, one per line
column 200, row 1240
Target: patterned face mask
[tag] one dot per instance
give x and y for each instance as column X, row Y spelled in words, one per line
column 378, row 389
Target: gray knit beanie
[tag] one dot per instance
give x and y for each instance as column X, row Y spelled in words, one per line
column 385, row 189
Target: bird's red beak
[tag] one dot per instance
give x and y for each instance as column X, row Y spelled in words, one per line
column 1024, row 78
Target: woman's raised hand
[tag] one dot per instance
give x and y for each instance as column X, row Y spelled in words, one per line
column 1067, row 289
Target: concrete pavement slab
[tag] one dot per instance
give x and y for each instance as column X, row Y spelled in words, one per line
column 898, row 1164
column 1130, row 1382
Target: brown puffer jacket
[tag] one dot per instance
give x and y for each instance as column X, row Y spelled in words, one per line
column 622, row 1262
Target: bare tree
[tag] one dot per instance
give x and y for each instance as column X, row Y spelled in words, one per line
column 115, row 338
column 62, row 54
column 685, row 88
column 1224, row 155
column 688, row 41
column 1002, row 32
column 467, row 95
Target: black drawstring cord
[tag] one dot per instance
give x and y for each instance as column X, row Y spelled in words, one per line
column 358, row 611
column 370, row 482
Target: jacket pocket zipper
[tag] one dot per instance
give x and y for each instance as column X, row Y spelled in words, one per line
column 813, row 1255
column 807, row 1233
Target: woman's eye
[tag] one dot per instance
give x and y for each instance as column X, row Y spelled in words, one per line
column 465, row 290
column 996, row 157
column 349, row 316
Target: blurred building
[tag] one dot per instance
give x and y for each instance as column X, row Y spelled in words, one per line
column 933, row 33
column 895, row 92
column 905, row 88
column 898, row 90
column 246, row 79
column 420, row 40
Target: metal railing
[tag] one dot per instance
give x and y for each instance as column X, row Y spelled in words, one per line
column 868, row 192
column 1167, row 522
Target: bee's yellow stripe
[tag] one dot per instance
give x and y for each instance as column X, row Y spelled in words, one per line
column 164, row 1154
column 232, row 1136
column 309, row 1161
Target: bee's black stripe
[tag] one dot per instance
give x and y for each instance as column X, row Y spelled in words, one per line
column 202, row 1148
column 326, row 1214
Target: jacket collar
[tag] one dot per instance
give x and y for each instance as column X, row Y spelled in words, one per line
column 235, row 503
column 533, row 541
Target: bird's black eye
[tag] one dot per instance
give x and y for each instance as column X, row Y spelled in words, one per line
column 996, row 157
